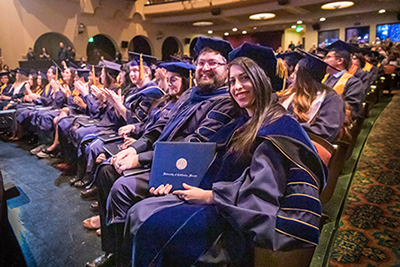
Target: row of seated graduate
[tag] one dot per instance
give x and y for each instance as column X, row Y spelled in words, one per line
column 261, row 190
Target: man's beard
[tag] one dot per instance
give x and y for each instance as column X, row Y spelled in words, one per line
column 209, row 85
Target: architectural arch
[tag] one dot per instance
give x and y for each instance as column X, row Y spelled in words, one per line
column 100, row 45
column 191, row 48
column 171, row 47
column 51, row 41
column 140, row 44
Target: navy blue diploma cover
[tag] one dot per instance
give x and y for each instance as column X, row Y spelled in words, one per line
column 175, row 163
column 86, row 121
column 106, row 138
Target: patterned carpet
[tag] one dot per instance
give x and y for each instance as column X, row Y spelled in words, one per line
column 369, row 233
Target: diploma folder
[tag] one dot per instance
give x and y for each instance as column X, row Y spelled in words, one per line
column 112, row 137
column 175, row 163
column 86, row 121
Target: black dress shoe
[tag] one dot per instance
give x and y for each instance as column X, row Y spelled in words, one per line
column 89, row 193
column 85, row 181
column 81, row 184
column 94, row 206
column 105, row 260
column 73, row 180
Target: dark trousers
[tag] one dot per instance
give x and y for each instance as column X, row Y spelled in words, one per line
column 106, row 177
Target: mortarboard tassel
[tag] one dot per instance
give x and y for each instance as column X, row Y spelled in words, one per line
column 190, row 78
column 141, row 69
column 281, row 71
column 94, row 75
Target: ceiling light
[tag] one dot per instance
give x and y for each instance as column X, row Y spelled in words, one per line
column 210, row 32
column 322, row 19
column 234, row 29
column 293, row 26
column 382, row 11
column 202, row 23
column 254, row 28
column 244, row 32
column 226, row 34
column 337, row 5
column 262, row 16
column 299, row 22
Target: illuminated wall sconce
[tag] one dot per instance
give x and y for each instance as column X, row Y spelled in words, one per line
column 81, row 28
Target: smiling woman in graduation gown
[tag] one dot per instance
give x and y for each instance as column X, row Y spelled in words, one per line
column 274, row 197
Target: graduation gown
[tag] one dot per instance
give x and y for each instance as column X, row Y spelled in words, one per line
column 353, row 92
column 273, row 204
column 329, row 119
column 139, row 101
column 6, row 89
column 195, row 118
column 97, row 146
column 364, row 77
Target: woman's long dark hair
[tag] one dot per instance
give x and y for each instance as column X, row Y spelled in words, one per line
column 127, row 84
column 71, row 81
column 167, row 97
column 109, row 81
column 306, row 89
column 34, row 86
column 264, row 111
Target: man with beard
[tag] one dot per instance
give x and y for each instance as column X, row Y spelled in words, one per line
column 200, row 112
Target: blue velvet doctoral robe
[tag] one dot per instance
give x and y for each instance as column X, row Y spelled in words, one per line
column 97, row 146
column 273, row 204
column 138, row 103
column 195, row 118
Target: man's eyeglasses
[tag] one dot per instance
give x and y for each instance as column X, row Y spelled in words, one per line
column 211, row 64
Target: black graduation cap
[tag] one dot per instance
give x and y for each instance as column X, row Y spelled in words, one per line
column 340, row 45
column 185, row 58
column 141, row 60
column 265, row 58
column 83, row 73
column 42, row 74
column 321, row 52
column 112, row 68
column 95, row 69
column 183, row 68
column 219, row 45
column 315, row 66
column 4, row 73
column 291, row 58
column 147, row 60
column 371, row 53
column 72, row 65
column 20, row 71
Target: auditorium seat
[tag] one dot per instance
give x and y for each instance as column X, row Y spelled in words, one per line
column 335, row 162
column 355, row 130
column 294, row 258
column 10, row 251
column 7, row 121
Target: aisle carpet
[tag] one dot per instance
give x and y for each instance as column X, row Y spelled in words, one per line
column 369, row 233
